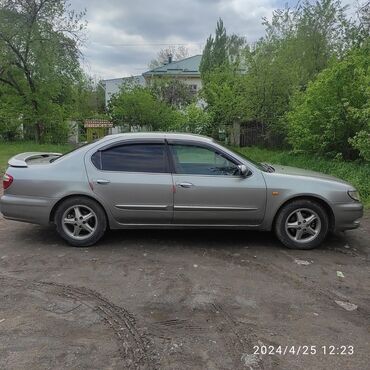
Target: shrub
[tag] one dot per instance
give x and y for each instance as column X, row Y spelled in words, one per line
column 361, row 142
column 333, row 109
column 140, row 107
column 195, row 120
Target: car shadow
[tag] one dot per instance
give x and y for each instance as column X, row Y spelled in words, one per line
column 185, row 238
column 190, row 238
column 47, row 235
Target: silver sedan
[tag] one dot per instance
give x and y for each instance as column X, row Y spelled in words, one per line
column 167, row 180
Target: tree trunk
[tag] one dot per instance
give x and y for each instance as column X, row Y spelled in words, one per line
column 38, row 132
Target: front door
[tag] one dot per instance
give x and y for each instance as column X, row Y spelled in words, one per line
column 210, row 191
column 134, row 180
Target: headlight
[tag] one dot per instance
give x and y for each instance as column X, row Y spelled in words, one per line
column 354, row 195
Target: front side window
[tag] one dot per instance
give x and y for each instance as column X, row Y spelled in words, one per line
column 192, row 159
column 132, row 158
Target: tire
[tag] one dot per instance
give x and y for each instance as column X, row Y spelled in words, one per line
column 80, row 221
column 302, row 224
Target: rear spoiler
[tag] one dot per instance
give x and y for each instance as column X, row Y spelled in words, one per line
column 20, row 160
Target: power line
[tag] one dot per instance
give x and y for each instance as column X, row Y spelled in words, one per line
column 149, row 44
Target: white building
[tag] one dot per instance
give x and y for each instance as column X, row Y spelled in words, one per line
column 113, row 85
column 186, row 70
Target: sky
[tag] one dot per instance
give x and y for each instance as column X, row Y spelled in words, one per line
column 123, row 36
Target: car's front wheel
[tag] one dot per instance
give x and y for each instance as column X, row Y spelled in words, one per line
column 302, row 224
column 80, row 221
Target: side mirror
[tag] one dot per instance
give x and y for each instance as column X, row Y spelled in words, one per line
column 243, row 170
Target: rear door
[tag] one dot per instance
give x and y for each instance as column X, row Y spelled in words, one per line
column 134, row 180
column 210, row 190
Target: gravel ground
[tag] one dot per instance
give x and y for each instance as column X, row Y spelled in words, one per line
column 181, row 300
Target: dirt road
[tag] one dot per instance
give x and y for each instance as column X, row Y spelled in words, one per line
column 182, row 300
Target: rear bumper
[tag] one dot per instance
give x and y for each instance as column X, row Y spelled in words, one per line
column 26, row 209
column 347, row 215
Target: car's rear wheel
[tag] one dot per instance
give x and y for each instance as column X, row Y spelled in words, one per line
column 302, row 224
column 80, row 221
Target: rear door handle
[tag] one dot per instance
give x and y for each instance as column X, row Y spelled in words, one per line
column 103, row 182
column 185, row 184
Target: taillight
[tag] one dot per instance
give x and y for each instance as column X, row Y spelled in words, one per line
column 7, row 181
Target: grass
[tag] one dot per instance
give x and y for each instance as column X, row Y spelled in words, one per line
column 356, row 173
column 7, row 150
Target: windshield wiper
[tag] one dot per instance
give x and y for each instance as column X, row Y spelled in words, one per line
column 53, row 159
column 268, row 167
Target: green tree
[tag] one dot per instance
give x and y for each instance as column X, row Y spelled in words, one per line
column 195, row 120
column 361, row 142
column 310, row 35
column 10, row 106
column 172, row 92
column 220, row 51
column 334, row 109
column 39, row 60
column 137, row 106
column 221, row 77
column 225, row 96
column 88, row 99
column 299, row 43
column 256, row 83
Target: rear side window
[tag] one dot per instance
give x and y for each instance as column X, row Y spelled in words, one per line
column 133, row 158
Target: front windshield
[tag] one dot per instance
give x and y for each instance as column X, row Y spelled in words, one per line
column 259, row 165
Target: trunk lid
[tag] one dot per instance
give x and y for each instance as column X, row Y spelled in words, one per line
column 31, row 158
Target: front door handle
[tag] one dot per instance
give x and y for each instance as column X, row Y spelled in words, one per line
column 185, row 184
column 103, row 182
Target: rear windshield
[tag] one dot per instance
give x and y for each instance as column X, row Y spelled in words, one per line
column 73, row 150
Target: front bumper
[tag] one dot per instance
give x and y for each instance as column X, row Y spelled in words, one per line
column 347, row 215
column 26, row 209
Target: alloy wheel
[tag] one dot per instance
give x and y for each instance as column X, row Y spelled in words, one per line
column 303, row 225
column 79, row 222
